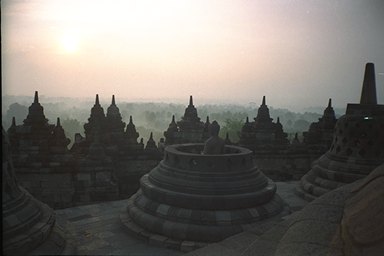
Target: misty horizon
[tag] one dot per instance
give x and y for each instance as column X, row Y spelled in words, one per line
column 26, row 100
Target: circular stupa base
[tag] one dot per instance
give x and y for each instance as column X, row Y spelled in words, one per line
column 191, row 199
column 178, row 231
column 331, row 172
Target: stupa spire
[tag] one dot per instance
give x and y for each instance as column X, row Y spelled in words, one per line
column 329, row 103
column 173, row 119
column 368, row 92
column 58, row 122
column 36, row 100
column 113, row 100
column 151, row 144
column 190, row 100
column 263, row 103
column 130, row 120
column 97, row 100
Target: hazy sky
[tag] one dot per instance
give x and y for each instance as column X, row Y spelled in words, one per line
column 297, row 52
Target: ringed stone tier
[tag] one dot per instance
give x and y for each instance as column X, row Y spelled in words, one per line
column 263, row 132
column 357, row 146
column 188, row 130
column 191, row 199
column 29, row 226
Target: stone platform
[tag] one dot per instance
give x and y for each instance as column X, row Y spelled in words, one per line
column 98, row 230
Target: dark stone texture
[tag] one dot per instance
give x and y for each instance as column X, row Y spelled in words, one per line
column 28, row 225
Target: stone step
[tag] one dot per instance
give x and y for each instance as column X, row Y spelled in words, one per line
column 156, row 239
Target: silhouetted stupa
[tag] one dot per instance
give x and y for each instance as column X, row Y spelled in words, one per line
column 357, row 146
column 189, row 129
column 263, row 133
column 320, row 134
column 114, row 126
column 41, row 158
column 96, row 121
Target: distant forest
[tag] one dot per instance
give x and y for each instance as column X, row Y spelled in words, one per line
column 153, row 117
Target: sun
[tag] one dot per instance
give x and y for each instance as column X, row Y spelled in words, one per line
column 69, row 43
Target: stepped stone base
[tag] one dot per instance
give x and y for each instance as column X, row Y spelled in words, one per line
column 156, row 239
column 331, row 172
column 43, row 236
column 198, row 199
column 189, row 245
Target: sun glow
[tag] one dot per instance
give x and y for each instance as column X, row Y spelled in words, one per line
column 69, row 43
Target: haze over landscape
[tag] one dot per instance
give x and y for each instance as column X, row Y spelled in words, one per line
column 298, row 53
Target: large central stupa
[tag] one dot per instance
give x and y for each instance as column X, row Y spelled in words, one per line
column 194, row 197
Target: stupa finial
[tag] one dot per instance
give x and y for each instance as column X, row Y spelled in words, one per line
column 36, row 100
column 263, row 103
column 190, row 100
column 113, row 100
column 97, row 100
column 330, row 103
column 368, row 92
column 58, row 122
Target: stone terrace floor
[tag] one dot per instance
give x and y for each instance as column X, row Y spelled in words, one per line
column 97, row 230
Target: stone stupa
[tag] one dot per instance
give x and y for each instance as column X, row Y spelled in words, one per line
column 357, row 146
column 190, row 129
column 199, row 194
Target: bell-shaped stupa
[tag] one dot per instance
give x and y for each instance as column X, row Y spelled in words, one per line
column 190, row 129
column 357, row 146
column 200, row 193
